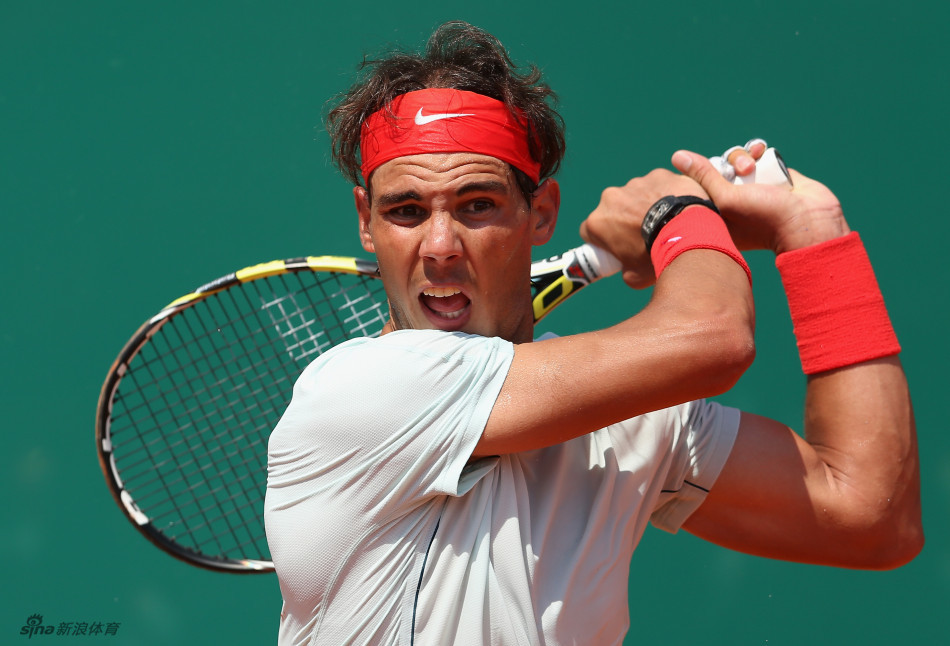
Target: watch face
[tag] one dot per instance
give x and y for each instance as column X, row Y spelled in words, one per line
column 664, row 210
column 656, row 213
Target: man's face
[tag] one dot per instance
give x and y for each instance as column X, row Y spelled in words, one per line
column 453, row 237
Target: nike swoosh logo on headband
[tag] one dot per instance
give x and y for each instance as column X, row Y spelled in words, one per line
column 423, row 119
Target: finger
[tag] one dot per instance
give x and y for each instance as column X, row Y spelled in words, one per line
column 744, row 163
column 723, row 167
column 698, row 168
column 585, row 233
column 741, row 159
column 756, row 147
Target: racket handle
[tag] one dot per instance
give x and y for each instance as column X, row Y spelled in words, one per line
column 603, row 263
column 770, row 169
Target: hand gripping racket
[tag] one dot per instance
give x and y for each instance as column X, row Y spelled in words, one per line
column 186, row 409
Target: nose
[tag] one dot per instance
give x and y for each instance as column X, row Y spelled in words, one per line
column 440, row 239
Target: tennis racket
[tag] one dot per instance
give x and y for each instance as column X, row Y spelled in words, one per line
column 186, row 410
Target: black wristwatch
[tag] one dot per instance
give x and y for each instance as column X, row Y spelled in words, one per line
column 664, row 210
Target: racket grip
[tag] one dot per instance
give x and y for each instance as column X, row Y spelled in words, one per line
column 603, row 263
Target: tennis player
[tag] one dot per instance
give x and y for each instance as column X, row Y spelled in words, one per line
column 456, row 482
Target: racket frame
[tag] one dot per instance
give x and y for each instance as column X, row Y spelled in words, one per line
column 133, row 347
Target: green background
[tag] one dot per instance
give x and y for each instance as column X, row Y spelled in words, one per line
column 146, row 148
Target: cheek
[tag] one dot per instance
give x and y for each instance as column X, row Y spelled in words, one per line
column 509, row 268
column 395, row 265
column 514, row 251
column 378, row 238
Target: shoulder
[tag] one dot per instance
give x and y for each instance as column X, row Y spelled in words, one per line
column 438, row 343
column 416, row 346
column 424, row 356
column 394, row 398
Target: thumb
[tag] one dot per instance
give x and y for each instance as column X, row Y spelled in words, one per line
column 700, row 170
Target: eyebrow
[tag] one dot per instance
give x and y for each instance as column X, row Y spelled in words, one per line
column 388, row 199
column 487, row 186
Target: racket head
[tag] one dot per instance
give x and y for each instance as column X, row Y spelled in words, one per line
column 186, row 409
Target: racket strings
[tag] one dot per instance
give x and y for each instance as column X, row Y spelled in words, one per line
column 308, row 332
column 183, row 479
column 218, row 391
column 209, row 387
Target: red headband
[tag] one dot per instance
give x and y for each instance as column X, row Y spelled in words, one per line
column 445, row 121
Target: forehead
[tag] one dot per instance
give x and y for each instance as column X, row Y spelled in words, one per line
column 440, row 170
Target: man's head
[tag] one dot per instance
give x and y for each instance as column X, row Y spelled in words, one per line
column 452, row 145
column 459, row 56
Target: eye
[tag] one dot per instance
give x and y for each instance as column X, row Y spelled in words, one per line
column 479, row 206
column 406, row 212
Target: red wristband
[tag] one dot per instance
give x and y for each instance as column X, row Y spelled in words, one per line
column 836, row 305
column 697, row 227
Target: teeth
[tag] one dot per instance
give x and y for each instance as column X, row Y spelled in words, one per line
column 441, row 292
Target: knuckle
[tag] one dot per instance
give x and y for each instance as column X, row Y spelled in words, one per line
column 660, row 174
column 612, row 196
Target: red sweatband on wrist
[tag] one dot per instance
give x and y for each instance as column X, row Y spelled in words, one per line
column 697, row 227
column 836, row 305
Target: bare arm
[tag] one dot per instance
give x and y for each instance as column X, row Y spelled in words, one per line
column 694, row 339
column 848, row 493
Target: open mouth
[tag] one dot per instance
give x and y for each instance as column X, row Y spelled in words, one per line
column 447, row 303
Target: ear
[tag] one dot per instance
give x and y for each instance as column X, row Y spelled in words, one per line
column 545, row 204
column 361, row 197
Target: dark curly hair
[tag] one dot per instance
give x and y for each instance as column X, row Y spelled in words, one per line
column 459, row 56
